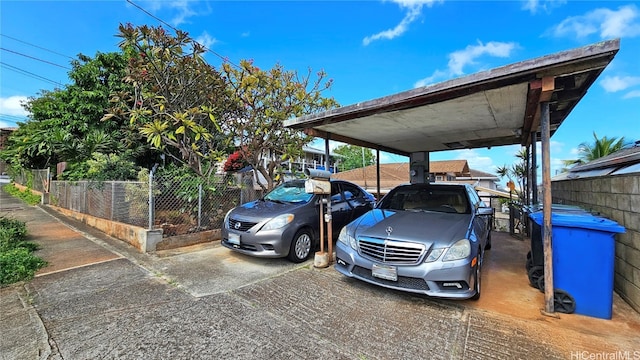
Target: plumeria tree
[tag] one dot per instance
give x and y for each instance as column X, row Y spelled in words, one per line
column 265, row 99
column 178, row 100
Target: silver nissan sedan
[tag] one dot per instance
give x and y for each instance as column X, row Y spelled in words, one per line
column 285, row 222
column 420, row 238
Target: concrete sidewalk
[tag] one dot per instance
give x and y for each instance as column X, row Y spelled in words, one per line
column 100, row 298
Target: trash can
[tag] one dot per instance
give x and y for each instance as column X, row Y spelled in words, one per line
column 536, row 256
column 583, row 248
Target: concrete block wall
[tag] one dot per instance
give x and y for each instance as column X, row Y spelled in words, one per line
column 617, row 198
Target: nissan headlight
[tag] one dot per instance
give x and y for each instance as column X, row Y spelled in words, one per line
column 278, row 222
column 226, row 219
column 347, row 239
column 460, row 250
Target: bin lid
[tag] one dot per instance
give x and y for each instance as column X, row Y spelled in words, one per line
column 558, row 208
column 579, row 220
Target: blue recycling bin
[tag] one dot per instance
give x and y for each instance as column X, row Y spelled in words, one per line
column 537, row 253
column 583, row 248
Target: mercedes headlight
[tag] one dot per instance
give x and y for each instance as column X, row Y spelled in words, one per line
column 434, row 255
column 460, row 250
column 347, row 239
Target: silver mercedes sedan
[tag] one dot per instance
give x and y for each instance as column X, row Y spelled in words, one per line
column 420, row 238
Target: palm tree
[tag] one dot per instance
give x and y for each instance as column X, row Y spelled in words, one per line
column 517, row 170
column 599, row 148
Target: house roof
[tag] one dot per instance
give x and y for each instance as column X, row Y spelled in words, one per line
column 481, row 174
column 458, row 167
column 626, row 156
column 496, row 107
column 625, row 161
column 394, row 174
column 312, row 150
column 391, row 175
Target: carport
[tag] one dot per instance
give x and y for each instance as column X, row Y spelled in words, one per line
column 520, row 103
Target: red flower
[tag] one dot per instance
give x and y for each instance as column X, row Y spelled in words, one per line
column 235, row 162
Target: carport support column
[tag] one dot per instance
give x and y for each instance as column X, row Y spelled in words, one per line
column 546, row 207
column 328, row 214
column 534, row 166
column 378, row 174
column 419, row 167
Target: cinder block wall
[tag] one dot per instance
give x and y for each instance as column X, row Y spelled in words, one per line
column 617, row 198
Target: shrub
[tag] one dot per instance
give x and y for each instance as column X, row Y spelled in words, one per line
column 26, row 196
column 13, row 228
column 17, row 263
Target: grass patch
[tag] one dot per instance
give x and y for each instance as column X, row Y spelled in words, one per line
column 26, row 195
column 17, row 262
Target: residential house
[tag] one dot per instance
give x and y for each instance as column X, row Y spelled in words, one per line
column 394, row 174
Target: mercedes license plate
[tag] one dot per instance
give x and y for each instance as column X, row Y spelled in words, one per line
column 234, row 239
column 385, row 272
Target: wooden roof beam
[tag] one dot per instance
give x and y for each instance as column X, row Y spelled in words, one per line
column 540, row 90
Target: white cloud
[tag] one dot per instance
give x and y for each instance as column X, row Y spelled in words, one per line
column 12, row 106
column 459, row 59
column 434, row 78
column 474, row 159
column 184, row 9
column 606, row 23
column 632, row 94
column 468, row 56
column 554, row 147
column 206, row 40
column 414, row 9
column 545, row 5
column 618, row 83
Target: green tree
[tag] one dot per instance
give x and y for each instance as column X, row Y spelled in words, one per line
column 353, row 157
column 177, row 100
column 64, row 124
column 600, row 148
column 265, row 99
column 517, row 170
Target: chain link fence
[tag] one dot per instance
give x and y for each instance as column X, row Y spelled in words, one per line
column 121, row 201
column 179, row 204
column 185, row 205
column 36, row 179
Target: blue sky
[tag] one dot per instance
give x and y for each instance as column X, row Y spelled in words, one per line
column 370, row 49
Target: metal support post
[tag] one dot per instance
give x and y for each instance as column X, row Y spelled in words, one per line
column 151, row 205
column 199, row 205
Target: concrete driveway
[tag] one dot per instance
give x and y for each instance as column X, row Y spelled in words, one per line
column 100, row 298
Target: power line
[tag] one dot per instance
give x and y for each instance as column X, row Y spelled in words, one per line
column 35, row 58
column 36, row 46
column 223, row 58
column 30, row 74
